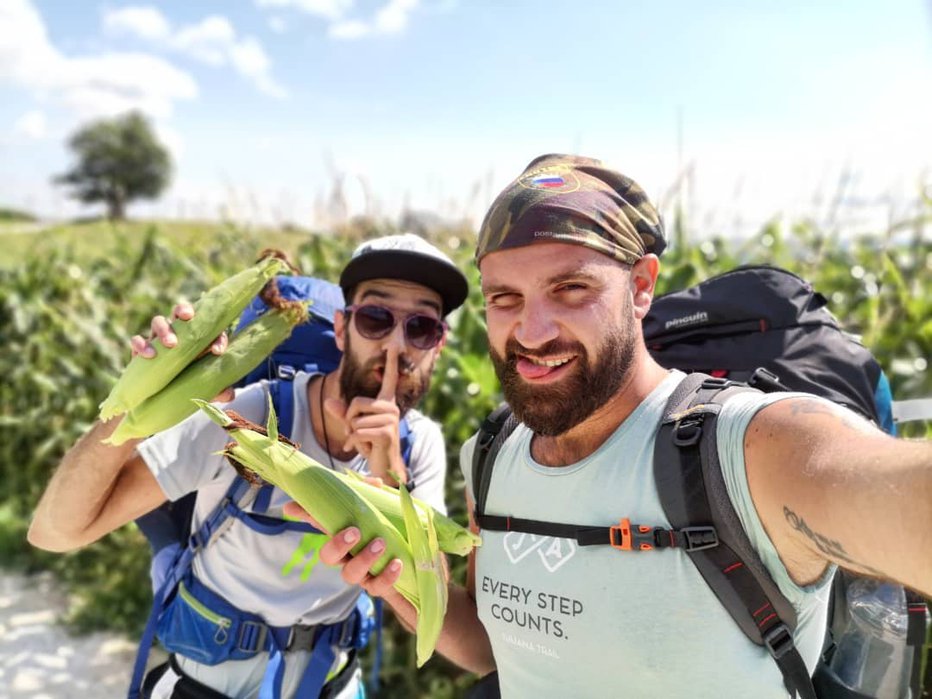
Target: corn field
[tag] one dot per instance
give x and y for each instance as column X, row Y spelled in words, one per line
column 69, row 301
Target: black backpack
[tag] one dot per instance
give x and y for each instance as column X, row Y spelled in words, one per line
column 752, row 328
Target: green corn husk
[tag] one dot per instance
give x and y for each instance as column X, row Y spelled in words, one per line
column 429, row 574
column 209, row 375
column 316, row 488
column 451, row 537
column 214, row 311
column 338, row 501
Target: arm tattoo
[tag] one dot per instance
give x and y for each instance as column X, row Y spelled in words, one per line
column 830, row 547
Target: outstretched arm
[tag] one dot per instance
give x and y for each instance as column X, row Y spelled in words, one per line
column 830, row 487
column 98, row 488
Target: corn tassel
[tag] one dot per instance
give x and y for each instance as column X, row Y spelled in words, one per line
column 338, row 501
column 209, row 375
column 214, row 311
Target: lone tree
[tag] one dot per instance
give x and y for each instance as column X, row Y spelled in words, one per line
column 118, row 160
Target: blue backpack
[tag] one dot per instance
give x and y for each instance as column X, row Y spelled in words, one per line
column 188, row 617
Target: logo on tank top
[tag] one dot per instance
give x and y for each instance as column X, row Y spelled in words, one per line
column 553, row 552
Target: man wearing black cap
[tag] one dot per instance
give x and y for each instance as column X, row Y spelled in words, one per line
column 569, row 258
column 398, row 289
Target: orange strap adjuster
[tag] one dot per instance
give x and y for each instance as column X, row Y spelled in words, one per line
column 625, row 536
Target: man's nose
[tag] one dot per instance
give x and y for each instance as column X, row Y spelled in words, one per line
column 536, row 325
column 396, row 339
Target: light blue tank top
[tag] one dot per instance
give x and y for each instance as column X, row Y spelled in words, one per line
column 570, row 621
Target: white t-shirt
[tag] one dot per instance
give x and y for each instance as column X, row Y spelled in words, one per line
column 569, row 621
column 278, row 577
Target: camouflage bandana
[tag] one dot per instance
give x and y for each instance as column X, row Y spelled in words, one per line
column 571, row 199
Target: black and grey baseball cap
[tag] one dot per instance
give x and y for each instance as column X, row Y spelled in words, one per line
column 411, row 258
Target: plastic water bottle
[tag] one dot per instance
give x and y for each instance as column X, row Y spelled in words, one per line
column 871, row 656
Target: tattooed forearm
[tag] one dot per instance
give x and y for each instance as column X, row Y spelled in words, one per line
column 830, row 547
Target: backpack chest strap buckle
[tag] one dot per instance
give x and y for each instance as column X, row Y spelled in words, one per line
column 632, row 537
column 699, row 538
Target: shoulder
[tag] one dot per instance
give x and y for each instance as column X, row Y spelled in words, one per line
column 428, row 448
column 466, row 455
column 792, row 425
column 421, row 426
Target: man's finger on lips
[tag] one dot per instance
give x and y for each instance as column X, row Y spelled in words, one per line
column 389, row 374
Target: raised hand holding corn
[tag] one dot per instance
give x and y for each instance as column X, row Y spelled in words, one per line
column 214, row 312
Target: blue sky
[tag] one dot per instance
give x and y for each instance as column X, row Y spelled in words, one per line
column 437, row 104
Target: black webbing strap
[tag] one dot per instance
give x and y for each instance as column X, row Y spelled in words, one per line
column 493, row 432
column 623, row 536
column 684, row 496
column 915, row 637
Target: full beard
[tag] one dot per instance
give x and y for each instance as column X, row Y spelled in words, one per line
column 554, row 409
column 357, row 380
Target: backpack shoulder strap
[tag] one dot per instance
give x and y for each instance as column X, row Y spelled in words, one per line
column 281, row 391
column 494, row 431
column 692, row 492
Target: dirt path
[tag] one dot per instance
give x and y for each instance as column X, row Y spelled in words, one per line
column 40, row 660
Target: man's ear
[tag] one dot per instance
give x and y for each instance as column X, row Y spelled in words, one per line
column 643, row 280
column 339, row 327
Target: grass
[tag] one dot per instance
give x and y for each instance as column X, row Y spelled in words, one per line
column 94, row 239
column 15, row 216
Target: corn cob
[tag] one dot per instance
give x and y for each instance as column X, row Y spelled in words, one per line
column 451, row 537
column 214, row 311
column 209, row 375
column 334, row 503
column 338, row 502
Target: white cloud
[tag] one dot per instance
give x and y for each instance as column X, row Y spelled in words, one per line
column 213, row 41
column 102, row 84
column 329, row 9
column 391, row 18
column 350, row 29
column 278, row 24
column 147, row 22
column 251, row 61
column 30, row 125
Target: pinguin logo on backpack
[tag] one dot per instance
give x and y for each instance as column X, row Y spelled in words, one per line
column 552, row 551
column 697, row 318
